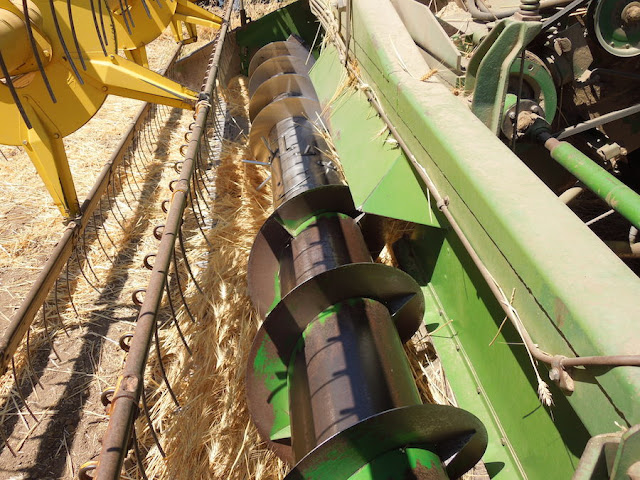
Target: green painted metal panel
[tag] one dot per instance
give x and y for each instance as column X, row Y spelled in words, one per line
column 379, row 175
column 460, row 304
column 564, row 278
column 563, row 275
column 278, row 25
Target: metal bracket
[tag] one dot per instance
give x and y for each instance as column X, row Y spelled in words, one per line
column 489, row 69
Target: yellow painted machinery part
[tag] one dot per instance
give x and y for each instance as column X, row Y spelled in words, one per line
column 76, row 97
column 14, row 41
column 139, row 22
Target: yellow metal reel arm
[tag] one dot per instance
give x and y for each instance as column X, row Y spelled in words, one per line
column 122, row 77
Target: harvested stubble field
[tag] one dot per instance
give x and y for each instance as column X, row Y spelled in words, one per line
column 52, row 418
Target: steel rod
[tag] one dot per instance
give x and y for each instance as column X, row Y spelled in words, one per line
column 126, row 397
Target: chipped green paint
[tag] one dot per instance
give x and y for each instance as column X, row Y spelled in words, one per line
column 274, row 375
column 296, row 227
column 401, row 464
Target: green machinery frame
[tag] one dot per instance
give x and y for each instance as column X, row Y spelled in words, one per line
column 573, row 295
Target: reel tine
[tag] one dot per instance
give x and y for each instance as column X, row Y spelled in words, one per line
column 5, row 440
column 30, row 369
column 192, row 203
column 55, row 299
column 113, row 25
column 104, row 31
column 95, row 227
column 146, row 8
column 136, row 449
column 86, row 255
column 204, row 235
column 132, row 174
column 175, row 319
column 56, row 23
column 145, row 409
column 162, row 370
column 95, row 23
column 75, row 253
column 73, row 305
column 177, row 275
column 104, row 226
column 19, row 390
column 14, row 94
column 45, row 323
column 128, row 10
column 124, row 16
column 75, row 37
column 112, row 201
column 34, row 48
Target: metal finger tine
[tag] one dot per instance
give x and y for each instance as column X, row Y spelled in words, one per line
column 30, row 370
column 145, row 409
column 45, row 323
column 194, row 203
column 34, row 48
column 157, row 233
column 73, row 34
column 5, row 440
column 104, row 30
column 95, row 227
column 19, row 390
column 136, row 298
column 186, row 260
column 106, row 396
column 14, row 94
column 197, row 179
column 126, row 177
column 114, row 202
column 175, row 318
column 57, row 304
column 128, row 10
column 75, row 253
column 161, row 365
column 136, row 449
column 177, row 276
column 200, row 227
column 124, row 17
column 85, row 468
column 103, row 224
column 95, row 24
column 56, row 23
column 73, row 305
column 146, row 9
column 86, row 255
column 117, row 178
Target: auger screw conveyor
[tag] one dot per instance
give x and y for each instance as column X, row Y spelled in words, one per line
column 401, row 242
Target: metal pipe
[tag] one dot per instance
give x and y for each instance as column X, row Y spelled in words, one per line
column 125, row 400
column 615, row 193
column 24, row 316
